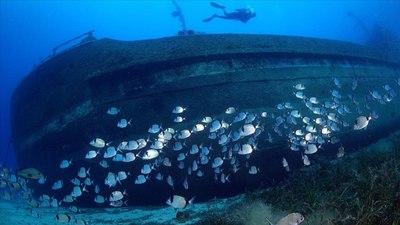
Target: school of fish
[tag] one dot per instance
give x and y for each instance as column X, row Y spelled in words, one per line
column 228, row 141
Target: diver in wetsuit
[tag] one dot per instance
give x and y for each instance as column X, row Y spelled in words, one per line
column 243, row 15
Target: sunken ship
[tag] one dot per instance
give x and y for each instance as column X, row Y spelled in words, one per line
column 61, row 106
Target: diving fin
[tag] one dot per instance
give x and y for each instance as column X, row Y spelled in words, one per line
column 209, row 18
column 216, row 5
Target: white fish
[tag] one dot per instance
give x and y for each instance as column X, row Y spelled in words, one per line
column 167, row 162
column 157, row 145
column 122, row 175
column 54, row 203
column 254, row 170
column 98, row 143
column 113, row 111
column 183, row 134
column 178, row 109
column 122, row 123
column 310, row 149
column 247, row 129
column 313, row 100
column 99, row 199
column 181, row 165
column 42, row 180
column 159, row 177
column 198, row 127
column 223, row 140
column 129, row 157
column 230, row 110
column 57, row 185
column 118, row 158
column 291, row 219
column 110, row 152
column 240, row 117
column 300, row 95
column 65, row 164
column 288, row 105
column 110, row 180
column 199, row 173
column 179, row 202
column 218, row 161
column 340, row 152
column 91, row 154
column 299, row 87
column 179, row 119
column 141, row 179
column 354, row 84
column 75, row 181
column 68, row 199
column 305, row 159
column 132, row 145
column 146, row 169
column 170, row 181
column 150, row 154
column 155, row 128
column 215, row 125
column 181, row 157
column 194, row 166
column 88, row 181
column 206, row 119
column 336, row 94
column 250, row 118
column 77, row 191
column 337, row 83
column 177, row 146
column 194, row 149
column 186, row 183
column 285, row 164
column 83, row 172
column 361, row 122
column 116, row 195
column 96, row 189
column 245, row 149
column 104, row 164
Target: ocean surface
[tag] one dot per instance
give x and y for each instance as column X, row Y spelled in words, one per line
column 171, row 151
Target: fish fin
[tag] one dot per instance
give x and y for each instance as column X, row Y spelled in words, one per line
column 269, row 221
column 191, row 200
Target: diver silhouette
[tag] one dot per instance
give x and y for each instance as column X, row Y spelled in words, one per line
column 243, row 14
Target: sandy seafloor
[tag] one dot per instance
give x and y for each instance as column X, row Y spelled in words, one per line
column 16, row 211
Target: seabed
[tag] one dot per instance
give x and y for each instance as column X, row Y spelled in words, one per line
column 361, row 188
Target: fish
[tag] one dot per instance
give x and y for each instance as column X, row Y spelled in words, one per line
column 99, row 199
column 155, row 128
column 68, row 198
column 178, row 109
column 123, row 123
column 74, row 209
column 300, row 95
column 80, row 222
column 65, row 164
column 170, row 181
column 230, row 110
column 218, row 161
column 340, row 152
column 42, row 180
column 150, row 154
column 179, row 119
column 104, row 164
column 116, row 196
column 76, row 181
column 183, row 134
column 140, row 179
column 30, row 173
column 113, row 111
column 305, row 160
column 206, row 119
column 179, row 202
column 98, row 143
column 91, row 154
column 337, row 83
column 198, row 127
column 129, row 157
column 110, row 180
column 63, row 218
column 254, row 170
column 291, row 219
column 246, row 149
column 83, row 172
column 361, row 122
column 119, row 203
column 299, row 87
column 285, row 164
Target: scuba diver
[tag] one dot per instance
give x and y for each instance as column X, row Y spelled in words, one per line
column 243, row 15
